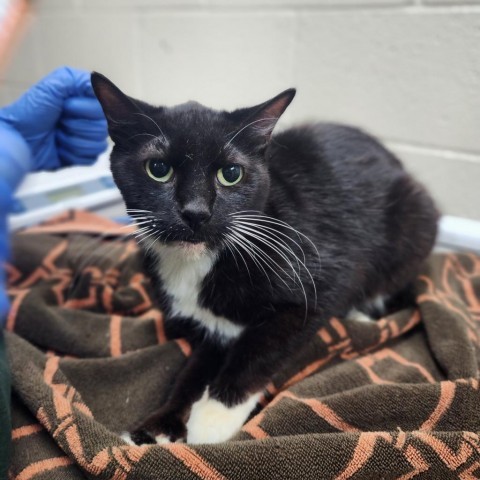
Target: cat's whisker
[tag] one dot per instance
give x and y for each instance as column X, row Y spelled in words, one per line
column 266, row 242
column 236, row 241
column 141, row 228
column 268, row 261
column 229, row 248
column 140, row 214
column 141, row 217
column 142, row 222
column 259, row 259
column 149, row 247
column 157, row 238
column 147, row 134
column 232, row 242
column 137, row 219
column 140, row 231
column 285, row 258
column 276, row 221
column 280, row 243
column 155, row 123
column 138, row 211
column 296, row 275
column 128, row 225
column 246, row 215
column 250, row 252
column 146, row 224
column 285, row 247
column 144, row 235
column 246, row 126
column 272, row 231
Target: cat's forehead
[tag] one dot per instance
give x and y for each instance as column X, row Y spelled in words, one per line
column 189, row 106
column 189, row 131
column 188, row 128
column 193, row 117
column 206, row 151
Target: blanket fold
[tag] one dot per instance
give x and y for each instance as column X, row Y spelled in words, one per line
column 398, row 398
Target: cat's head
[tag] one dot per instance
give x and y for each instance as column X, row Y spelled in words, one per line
column 186, row 170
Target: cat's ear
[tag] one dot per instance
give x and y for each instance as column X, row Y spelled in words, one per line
column 261, row 119
column 120, row 110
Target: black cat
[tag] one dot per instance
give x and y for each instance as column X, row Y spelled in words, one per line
column 253, row 241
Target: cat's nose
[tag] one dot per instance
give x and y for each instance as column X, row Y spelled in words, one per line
column 195, row 214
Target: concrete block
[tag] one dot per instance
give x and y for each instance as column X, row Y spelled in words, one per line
column 24, row 62
column 408, row 76
column 98, row 41
column 303, row 3
column 451, row 2
column 58, row 4
column 151, row 4
column 453, row 182
column 4, row 100
column 222, row 60
column 11, row 92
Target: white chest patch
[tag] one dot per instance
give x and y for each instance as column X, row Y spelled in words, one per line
column 182, row 270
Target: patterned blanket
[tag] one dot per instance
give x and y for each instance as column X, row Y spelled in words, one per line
column 397, row 398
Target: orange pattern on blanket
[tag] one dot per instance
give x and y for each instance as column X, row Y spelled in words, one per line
column 310, row 414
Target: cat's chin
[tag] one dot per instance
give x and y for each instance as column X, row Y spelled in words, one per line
column 189, row 248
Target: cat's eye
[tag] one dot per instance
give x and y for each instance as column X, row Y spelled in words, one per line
column 230, row 175
column 159, row 170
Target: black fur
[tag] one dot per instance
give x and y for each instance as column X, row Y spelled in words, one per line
column 370, row 222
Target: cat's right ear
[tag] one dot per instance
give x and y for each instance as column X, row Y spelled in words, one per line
column 120, row 110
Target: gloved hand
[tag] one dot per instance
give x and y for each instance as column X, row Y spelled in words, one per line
column 60, row 120
column 57, row 123
column 5, row 203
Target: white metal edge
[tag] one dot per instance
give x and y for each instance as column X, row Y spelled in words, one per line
column 459, row 233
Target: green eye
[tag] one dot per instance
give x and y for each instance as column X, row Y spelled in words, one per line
column 230, row 175
column 159, row 170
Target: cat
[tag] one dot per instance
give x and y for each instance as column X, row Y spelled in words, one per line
column 254, row 240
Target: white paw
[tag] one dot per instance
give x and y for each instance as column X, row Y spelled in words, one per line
column 162, row 439
column 125, row 436
column 358, row 316
column 212, row 422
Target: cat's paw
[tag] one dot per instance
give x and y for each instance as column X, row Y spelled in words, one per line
column 127, row 437
column 212, row 422
column 142, row 437
column 161, row 428
column 358, row 316
column 138, row 437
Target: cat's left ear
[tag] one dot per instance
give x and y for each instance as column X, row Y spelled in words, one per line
column 122, row 112
column 261, row 119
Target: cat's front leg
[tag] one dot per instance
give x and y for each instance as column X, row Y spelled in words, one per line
column 167, row 424
column 250, row 363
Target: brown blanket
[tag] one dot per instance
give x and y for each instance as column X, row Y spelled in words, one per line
column 398, row 398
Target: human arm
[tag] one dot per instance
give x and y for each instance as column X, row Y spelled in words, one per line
column 56, row 123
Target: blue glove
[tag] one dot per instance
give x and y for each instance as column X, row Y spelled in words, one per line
column 60, row 119
column 6, row 194
column 57, row 123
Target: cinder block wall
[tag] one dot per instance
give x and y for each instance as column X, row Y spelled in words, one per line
column 406, row 70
